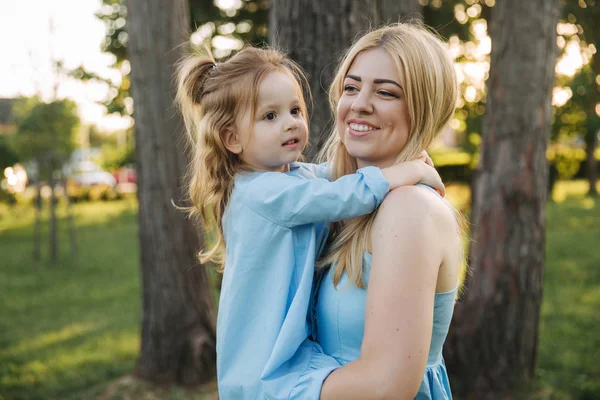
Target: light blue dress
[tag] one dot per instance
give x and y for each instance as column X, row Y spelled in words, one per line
column 273, row 236
column 340, row 314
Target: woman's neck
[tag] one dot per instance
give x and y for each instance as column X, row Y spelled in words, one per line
column 374, row 163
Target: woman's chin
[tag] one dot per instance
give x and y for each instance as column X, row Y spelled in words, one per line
column 359, row 152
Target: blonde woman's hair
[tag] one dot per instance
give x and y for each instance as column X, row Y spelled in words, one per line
column 211, row 96
column 431, row 90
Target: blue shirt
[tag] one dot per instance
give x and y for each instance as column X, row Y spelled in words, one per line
column 274, row 227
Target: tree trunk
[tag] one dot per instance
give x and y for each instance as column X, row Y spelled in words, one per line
column 391, row 11
column 53, row 201
column 178, row 322
column 591, row 165
column 315, row 33
column 492, row 345
column 70, row 220
column 37, row 230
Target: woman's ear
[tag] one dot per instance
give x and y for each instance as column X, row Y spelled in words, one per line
column 231, row 140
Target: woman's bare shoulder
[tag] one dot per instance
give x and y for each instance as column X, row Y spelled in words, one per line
column 415, row 203
column 414, row 222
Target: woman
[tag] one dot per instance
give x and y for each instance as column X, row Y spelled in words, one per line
column 384, row 306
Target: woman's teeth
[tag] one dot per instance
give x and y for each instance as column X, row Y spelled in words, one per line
column 291, row 141
column 361, row 127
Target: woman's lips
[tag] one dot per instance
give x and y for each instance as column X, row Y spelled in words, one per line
column 360, row 128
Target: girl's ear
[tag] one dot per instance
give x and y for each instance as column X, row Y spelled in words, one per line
column 231, row 140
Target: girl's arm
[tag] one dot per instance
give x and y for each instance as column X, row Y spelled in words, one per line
column 291, row 201
column 320, row 170
column 409, row 242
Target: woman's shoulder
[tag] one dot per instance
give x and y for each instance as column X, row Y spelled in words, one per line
column 415, row 224
column 417, row 203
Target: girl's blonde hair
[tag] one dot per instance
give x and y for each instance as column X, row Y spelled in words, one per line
column 430, row 87
column 211, row 97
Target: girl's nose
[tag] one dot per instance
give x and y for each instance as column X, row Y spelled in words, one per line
column 291, row 123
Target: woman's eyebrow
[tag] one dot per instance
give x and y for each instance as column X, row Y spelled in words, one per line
column 377, row 81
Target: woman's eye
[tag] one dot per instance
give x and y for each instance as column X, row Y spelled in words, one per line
column 296, row 111
column 270, row 116
column 385, row 93
column 350, row 89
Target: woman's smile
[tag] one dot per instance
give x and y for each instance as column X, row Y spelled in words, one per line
column 358, row 128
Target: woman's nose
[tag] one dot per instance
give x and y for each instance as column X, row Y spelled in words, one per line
column 362, row 103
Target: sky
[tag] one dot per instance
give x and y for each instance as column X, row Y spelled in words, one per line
column 28, row 49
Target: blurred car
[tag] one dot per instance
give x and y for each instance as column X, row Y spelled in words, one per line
column 87, row 179
column 126, row 177
column 125, row 174
column 88, row 173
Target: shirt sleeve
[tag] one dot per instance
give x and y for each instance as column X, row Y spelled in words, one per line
column 291, row 201
column 285, row 383
column 319, row 170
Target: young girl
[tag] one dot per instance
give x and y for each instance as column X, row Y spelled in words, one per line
column 248, row 124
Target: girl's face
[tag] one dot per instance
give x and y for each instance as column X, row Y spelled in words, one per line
column 372, row 114
column 276, row 135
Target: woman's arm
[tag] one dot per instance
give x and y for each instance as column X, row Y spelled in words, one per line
column 410, row 240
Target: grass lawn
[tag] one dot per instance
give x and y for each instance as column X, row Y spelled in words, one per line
column 71, row 330
column 568, row 365
column 74, row 325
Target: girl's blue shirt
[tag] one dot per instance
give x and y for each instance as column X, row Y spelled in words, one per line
column 275, row 226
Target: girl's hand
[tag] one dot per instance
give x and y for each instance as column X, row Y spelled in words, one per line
column 432, row 178
column 424, row 156
column 412, row 172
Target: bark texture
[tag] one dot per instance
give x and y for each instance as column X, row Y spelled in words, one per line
column 491, row 349
column 314, row 33
column 391, row 11
column 178, row 328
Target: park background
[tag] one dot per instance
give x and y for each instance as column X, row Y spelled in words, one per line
column 87, row 312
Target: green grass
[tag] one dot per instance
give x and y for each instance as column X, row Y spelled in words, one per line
column 569, row 346
column 71, row 330
column 71, row 326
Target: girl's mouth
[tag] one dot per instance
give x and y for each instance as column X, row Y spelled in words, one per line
column 293, row 142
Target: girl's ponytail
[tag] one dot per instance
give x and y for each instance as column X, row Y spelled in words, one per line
column 192, row 75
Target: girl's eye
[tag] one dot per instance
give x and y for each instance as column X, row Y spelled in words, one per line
column 270, row 116
column 296, row 111
column 350, row 89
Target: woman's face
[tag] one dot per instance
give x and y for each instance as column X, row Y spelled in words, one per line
column 372, row 113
